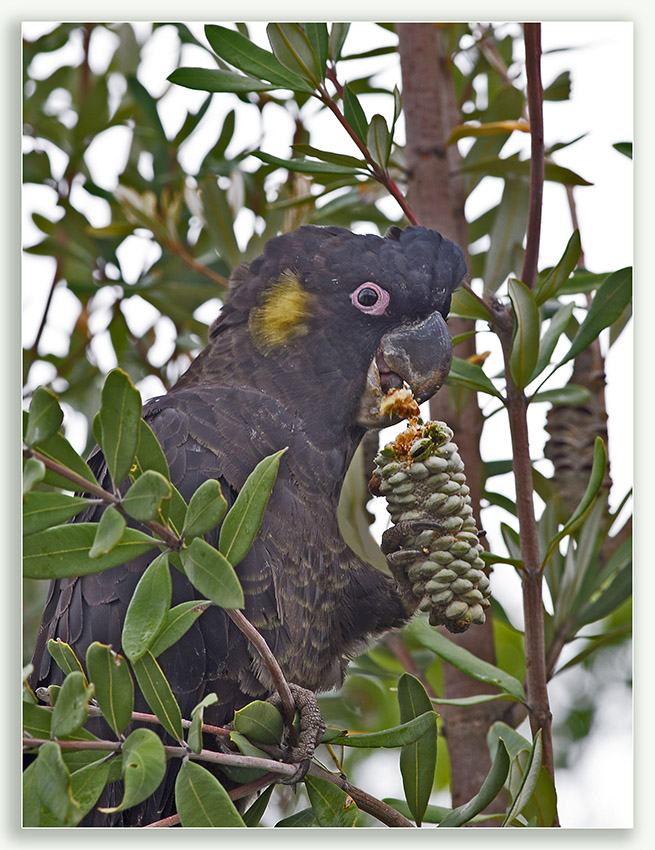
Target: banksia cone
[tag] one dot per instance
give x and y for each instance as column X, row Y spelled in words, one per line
column 422, row 476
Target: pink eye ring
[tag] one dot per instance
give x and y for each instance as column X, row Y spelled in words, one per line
column 370, row 298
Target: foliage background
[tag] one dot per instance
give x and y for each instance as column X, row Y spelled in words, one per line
column 582, row 708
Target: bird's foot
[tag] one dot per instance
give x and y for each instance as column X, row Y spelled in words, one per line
column 311, row 731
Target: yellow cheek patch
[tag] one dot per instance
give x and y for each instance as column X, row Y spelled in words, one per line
column 283, row 313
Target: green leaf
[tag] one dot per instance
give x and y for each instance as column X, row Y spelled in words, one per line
column 114, row 688
column 525, row 341
column 418, row 760
column 176, row 623
column 331, row 806
column 397, row 736
column 215, row 80
column 241, row 52
column 610, row 301
column 478, row 698
column 377, row 140
column 293, row 49
column 147, row 609
column 466, row 306
column 109, row 532
column 608, row 600
column 507, row 232
column 87, row 784
column 624, row 147
column 253, row 815
column 143, row 767
column 33, row 472
column 570, row 394
column 37, row 720
column 206, row 509
column 202, row 801
column 317, row 34
column 59, row 449
column 45, row 417
column 464, row 660
column 467, row 374
column 595, row 481
column 490, row 789
column 72, row 707
column 53, row 784
column 530, row 766
column 63, row 551
column 260, row 721
column 45, row 509
column 144, row 497
column 303, row 819
column 212, row 574
column 550, row 338
column 354, row 113
column 511, row 167
column 548, row 286
column 219, row 222
column 158, row 694
column 194, row 735
column 328, row 156
column 242, row 522
column 118, row 420
column 338, row 33
column 306, row 166
column 64, row 657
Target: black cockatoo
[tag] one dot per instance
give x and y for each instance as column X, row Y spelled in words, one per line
column 312, row 335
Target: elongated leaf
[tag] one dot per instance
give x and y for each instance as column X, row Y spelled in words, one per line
column 53, row 784
column 377, row 140
column 215, row 80
column 118, row 422
column 464, row 660
column 354, row 113
column 525, row 342
column 293, row 49
column 206, row 509
column 219, row 222
column 397, row 736
column 149, row 453
column 550, row 338
column 194, row 735
column 114, row 688
column 64, row 657
column 470, row 375
column 511, row 167
column 201, row 799
column 570, row 394
column 328, row 156
column 45, row 417
column 491, row 128
column 595, row 480
column 418, row 760
column 254, row 814
column 242, row 522
column 158, row 694
column 213, row 575
column 478, row 698
column 63, row 551
column 243, row 54
column 548, row 286
column 176, row 623
column 331, row 806
column 72, row 707
column 260, row 721
column 306, row 166
column 143, row 499
column 109, row 532
column 87, row 784
column 143, row 767
column 464, row 305
column 303, row 819
column 530, row 769
column 609, row 599
column 58, row 448
column 43, row 510
column 317, row 34
column 491, row 787
column 338, row 33
column 148, row 607
column 609, row 302
column 507, row 232
column 34, row 471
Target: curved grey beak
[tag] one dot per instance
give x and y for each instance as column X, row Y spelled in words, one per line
column 419, row 354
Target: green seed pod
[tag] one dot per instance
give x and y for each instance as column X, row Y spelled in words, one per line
column 422, row 476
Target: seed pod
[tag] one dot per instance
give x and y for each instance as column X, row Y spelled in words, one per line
column 422, row 476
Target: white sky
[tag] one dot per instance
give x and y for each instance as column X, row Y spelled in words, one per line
column 602, row 107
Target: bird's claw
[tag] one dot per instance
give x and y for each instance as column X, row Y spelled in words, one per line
column 311, row 731
column 400, row 558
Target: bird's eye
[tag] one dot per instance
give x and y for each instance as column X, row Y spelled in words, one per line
column 370, row 298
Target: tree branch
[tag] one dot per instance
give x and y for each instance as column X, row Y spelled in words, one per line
column 535, row 106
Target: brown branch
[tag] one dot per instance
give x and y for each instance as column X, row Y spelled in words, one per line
column 535, row 106
column 179, row 249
